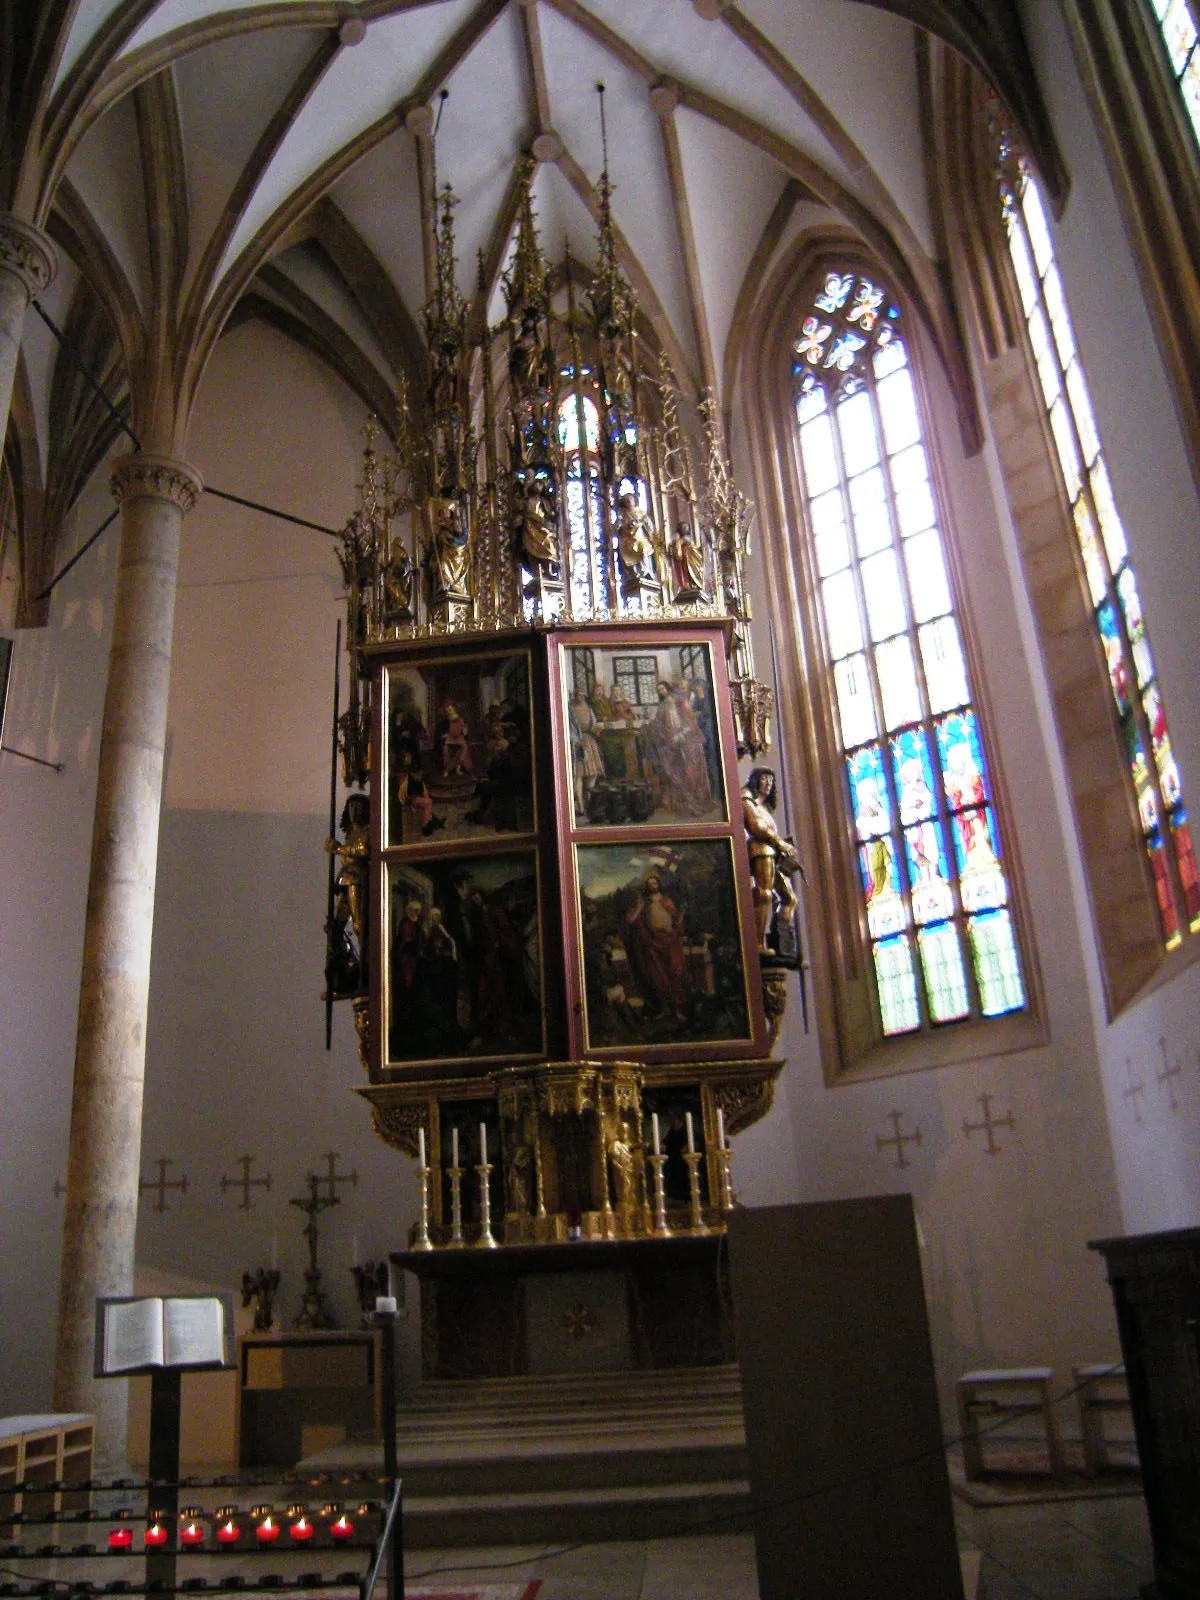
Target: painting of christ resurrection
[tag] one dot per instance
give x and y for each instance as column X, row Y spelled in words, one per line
column 642, row 734
column 662, row 944
column 459, row 750
column 465, row 965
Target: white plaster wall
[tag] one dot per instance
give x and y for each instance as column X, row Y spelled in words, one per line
column 1155, row 1128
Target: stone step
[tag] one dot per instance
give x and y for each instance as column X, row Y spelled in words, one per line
column 533, row 1460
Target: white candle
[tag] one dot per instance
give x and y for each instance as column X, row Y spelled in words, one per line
column 453, row 1147
column 385, row 1305
column 691, row 1136
column 421, row 1145
column 720, row 1129
column 483, row 1144
column 654, row 1132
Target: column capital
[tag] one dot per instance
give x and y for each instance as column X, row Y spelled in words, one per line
column 156, row 477
column 26, row 253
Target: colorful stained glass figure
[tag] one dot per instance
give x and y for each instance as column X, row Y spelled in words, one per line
column 926, row 835
column 568, row 424
column 1181, row 835
column 997, row 965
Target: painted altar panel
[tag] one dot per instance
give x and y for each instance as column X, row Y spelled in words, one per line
column 644, row 734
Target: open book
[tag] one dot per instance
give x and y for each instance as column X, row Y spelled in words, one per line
column 179, row 1331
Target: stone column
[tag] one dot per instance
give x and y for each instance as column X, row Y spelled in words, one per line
column 27, row 264
column 110, row 1052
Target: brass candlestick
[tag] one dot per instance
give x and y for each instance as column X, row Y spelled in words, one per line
column 485, row 1240
column 422, row 1240
column 693, row 1159
column 727, row 1198
column 659, row 1163
column 456, row 1233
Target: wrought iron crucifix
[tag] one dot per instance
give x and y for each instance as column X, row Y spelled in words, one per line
column 1168, row 1074
column 314, row 1308
column 160, row 1184
column 898, row 1139
column 245, row 1183
column 989, row 1124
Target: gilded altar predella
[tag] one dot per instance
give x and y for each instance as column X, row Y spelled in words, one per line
column 563, row 922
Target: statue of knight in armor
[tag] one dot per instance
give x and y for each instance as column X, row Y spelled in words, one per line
column 773, row 861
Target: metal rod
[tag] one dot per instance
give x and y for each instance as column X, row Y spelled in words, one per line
column 391, row 1543
column 77, row 362
column 23, row 755
column 79, row 554
column 271, row 511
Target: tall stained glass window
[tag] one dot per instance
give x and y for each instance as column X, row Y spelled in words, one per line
column 1178, row 27
column 935, row 896
column 1111, row 581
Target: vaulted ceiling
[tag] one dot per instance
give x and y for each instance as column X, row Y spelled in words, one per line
column 201, row 161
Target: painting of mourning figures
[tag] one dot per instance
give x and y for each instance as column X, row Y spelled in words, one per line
column 460, row 759
column 465, row 958
column 662, row 945
column 642, row 729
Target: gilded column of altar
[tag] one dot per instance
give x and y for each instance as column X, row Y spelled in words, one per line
column 27, row 265
column 110, row 1055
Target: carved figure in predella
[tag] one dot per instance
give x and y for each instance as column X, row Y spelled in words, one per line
column 644, row 742
column 662, row 953
column 460, row 758
column 464, row 971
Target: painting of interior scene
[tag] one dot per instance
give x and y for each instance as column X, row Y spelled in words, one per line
column 642, row 730
column 662, row 949
column 460, row 758
column 465, row 958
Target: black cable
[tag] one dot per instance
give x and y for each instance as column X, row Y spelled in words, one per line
column 284, row 516
column 82, row 551
column 77, row 362
column 23, row 755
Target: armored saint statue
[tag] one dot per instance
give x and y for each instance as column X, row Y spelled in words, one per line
column 773, row 861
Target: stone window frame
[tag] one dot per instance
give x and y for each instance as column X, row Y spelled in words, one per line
column 843, row 997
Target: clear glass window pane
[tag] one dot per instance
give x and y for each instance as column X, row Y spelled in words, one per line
column 1044, row 355
column 1179, row 31
column 927, row 578
column 898, row 683
column 945, row 669
column 898, row 1005
column 1060, row 322
column 884, row 596
column 898, row 409
column 1081, row 405
column 868, row 504
column 829, row 530
column 1027, row 279
column 856, row 428
column 1093, row 555
column 1039, row 232
column 842, row 625
column 1110, row 520
column 997, row 968
column 945, row 979
column 816, row 447
column 1064, row 443
column 856, row 708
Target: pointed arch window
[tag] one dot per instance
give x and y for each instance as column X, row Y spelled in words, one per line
column 1111, row 581
column 934, row 893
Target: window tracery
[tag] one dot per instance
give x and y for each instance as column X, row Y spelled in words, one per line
column 934, row 895
column 1178, row 28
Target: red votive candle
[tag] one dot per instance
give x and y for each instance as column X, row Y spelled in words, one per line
column 191, row 1534
column 342, row 1529
column 267, row 1531
column 121, row 1539
column 228, row 1532
column 301, row 1531
column 156, row 1536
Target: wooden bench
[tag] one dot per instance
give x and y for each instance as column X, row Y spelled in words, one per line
column 1098, row 1389
column 1001, row 1393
